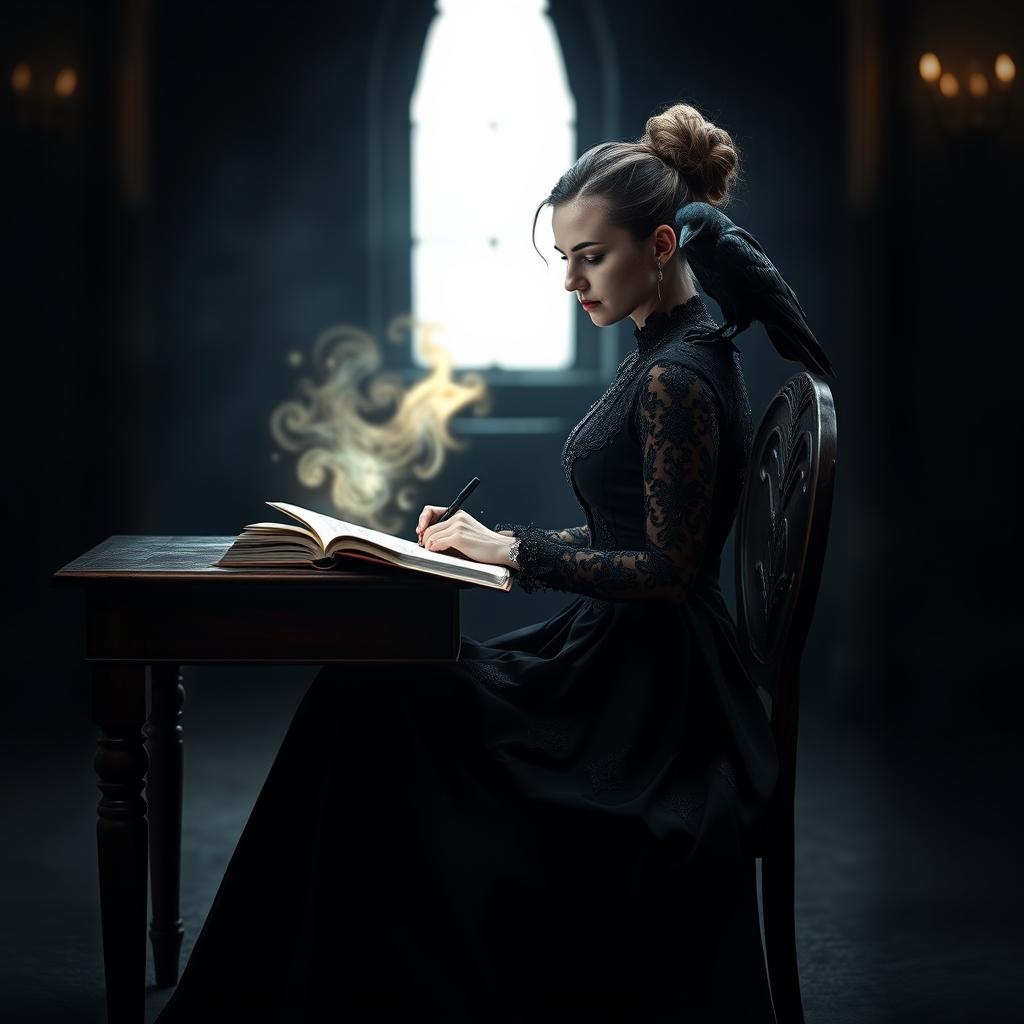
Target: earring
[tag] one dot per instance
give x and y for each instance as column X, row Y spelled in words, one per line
column 660, row 277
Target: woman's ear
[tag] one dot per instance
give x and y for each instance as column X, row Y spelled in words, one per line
column 665, row 239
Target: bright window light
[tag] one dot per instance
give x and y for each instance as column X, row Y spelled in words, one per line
column 493, row 127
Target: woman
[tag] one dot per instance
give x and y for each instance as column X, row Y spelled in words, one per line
column 559, row 826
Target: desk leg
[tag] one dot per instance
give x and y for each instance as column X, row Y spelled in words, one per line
column 163, row 795
column 119, row 708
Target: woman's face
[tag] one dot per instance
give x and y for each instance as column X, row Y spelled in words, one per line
column 606, row 264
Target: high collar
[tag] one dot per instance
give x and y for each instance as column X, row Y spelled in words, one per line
column 687, row 315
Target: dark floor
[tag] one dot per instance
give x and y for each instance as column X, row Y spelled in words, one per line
column 900, row 918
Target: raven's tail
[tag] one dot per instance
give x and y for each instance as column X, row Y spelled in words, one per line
column 794, row 340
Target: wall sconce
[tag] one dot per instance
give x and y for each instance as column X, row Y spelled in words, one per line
column 21, row 79
column 65, row 83
column 40, row 100
column 972, row 101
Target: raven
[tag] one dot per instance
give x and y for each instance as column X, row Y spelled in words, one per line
column 733, row 269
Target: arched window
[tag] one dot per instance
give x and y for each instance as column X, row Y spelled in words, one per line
column 493, row 125
column 471, row 120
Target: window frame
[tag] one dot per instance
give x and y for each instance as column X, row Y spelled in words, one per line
column 395, row 54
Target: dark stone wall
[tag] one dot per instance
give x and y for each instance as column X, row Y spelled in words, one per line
column 163, row 258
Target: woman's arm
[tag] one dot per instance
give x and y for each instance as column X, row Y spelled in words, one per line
column 576, row 535
column 678, row 424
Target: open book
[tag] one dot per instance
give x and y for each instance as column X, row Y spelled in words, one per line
column 324, row 542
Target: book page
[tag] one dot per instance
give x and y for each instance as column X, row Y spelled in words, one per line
column 329, row 529
column 430, row 561
column 325, row 528
column 288, row 529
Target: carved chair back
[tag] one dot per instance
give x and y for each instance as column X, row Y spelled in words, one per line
column 781, row 534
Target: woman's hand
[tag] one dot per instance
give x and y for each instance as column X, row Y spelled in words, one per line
column 461, row 536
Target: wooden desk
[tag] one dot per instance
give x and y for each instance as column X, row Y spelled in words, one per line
column 158, row 602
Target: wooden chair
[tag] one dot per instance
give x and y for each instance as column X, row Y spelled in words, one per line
column 781, row 532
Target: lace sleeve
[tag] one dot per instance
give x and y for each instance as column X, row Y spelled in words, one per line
column 579, row 536
column 678, row 427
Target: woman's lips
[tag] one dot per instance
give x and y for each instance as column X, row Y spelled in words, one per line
column 590, row 305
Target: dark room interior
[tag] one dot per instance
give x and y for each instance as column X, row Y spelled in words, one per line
column 198, row 194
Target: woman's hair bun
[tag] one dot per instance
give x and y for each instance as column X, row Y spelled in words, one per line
column 703, row 153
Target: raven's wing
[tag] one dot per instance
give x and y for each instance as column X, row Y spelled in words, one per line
column 741, row 247
column 757, row 287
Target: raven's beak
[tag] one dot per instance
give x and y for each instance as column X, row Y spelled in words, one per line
column 686, row 232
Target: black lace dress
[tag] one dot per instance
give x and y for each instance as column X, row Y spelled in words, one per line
column 557, row 827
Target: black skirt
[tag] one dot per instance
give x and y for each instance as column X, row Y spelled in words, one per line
column 556, row 827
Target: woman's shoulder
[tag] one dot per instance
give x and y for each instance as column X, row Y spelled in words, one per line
column 716, row 363
column 674, row 368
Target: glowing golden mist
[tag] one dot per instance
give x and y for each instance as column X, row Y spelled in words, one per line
column 348, row 437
